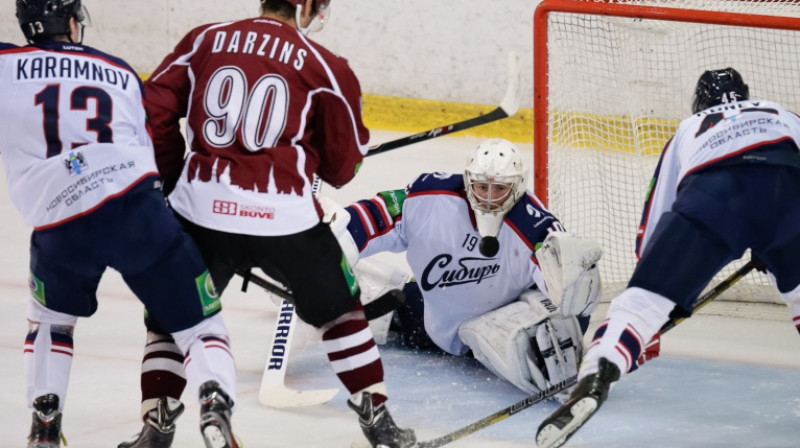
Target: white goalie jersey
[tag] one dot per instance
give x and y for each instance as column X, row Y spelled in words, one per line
column 65, row 132
column 432, row 223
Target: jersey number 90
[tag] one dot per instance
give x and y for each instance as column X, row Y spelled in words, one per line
column 259, row 113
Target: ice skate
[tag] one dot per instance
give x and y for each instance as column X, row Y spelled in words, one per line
column 159, row 426
column 378, row 426
column 215, row 417
column 587, row 398
column 46, row 425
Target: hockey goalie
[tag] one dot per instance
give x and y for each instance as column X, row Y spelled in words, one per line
column 495, row 274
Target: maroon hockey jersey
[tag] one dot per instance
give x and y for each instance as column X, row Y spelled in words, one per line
column 265, row 109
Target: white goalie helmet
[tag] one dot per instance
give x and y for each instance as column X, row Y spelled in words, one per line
column 495, row 180
column 494, row 176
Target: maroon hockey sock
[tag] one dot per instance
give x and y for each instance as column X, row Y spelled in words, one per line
column 353, row 353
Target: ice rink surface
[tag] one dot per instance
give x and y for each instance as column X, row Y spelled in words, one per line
column 720, row 382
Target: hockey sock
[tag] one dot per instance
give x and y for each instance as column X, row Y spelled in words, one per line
column 208, row 356
column 635, row 316
column 354, row 355
column 48, row 360
column 162, row 371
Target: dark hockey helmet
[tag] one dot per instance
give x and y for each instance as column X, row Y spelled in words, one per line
column 717, row 87
column 42, row 19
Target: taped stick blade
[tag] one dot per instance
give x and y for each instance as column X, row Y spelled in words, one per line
column 280, row 396
column 511, row 100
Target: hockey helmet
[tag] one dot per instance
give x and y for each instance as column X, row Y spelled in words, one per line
column 40, row 19
column 494, row 176
column 717, row 87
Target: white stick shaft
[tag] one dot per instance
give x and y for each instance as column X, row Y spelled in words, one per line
column 273, row 391
column 280, row 345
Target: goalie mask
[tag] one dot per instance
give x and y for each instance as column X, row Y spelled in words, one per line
column 495, row 180
column 719, row 87
column 45, row 19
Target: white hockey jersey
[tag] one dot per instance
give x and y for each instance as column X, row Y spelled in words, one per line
column 432, row 222
column 72, row 130
column 740, row 132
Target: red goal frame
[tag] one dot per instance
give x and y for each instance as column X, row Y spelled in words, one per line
column 600, row 7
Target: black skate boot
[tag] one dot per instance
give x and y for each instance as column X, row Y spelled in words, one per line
column 215, row 417
column 159, row 425
column 585, row 400
column 378, row 426
column 46, row 425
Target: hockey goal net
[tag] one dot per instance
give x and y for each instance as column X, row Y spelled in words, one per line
column 612, row 80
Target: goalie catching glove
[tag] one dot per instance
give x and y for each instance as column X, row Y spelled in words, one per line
column 569, row 265
column 525, row 343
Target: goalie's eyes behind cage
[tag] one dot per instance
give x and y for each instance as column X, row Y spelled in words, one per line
column 491, row 195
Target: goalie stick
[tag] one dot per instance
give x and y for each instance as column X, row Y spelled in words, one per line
column 503, row 414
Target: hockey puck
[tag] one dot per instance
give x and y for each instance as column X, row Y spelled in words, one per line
column 489, row 246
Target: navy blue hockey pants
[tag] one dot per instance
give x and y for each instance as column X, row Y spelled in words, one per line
column 137, row 235
column 718, row 214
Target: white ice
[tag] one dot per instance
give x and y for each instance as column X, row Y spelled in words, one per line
column 720, row 382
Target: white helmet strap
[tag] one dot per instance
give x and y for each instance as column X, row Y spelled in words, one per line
column 317, row 22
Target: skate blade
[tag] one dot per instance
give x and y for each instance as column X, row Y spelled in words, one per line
column 551, row 436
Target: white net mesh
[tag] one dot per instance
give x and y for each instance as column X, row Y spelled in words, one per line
column 617, row 89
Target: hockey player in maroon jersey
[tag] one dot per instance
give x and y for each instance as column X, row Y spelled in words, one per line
column 81, row 170
column 266, row 109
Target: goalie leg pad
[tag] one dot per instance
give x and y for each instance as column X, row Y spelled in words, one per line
column 524, row 346
column 569, row 265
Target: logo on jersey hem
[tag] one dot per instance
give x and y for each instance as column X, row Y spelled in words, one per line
column 230, row 208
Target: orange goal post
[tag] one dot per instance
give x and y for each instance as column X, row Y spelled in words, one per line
column 612, row 80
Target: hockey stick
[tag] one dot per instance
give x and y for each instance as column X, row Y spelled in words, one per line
column 384, row 304
column 273, row 391
column 712, row 294
column 507, row 108
column 503, row 414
